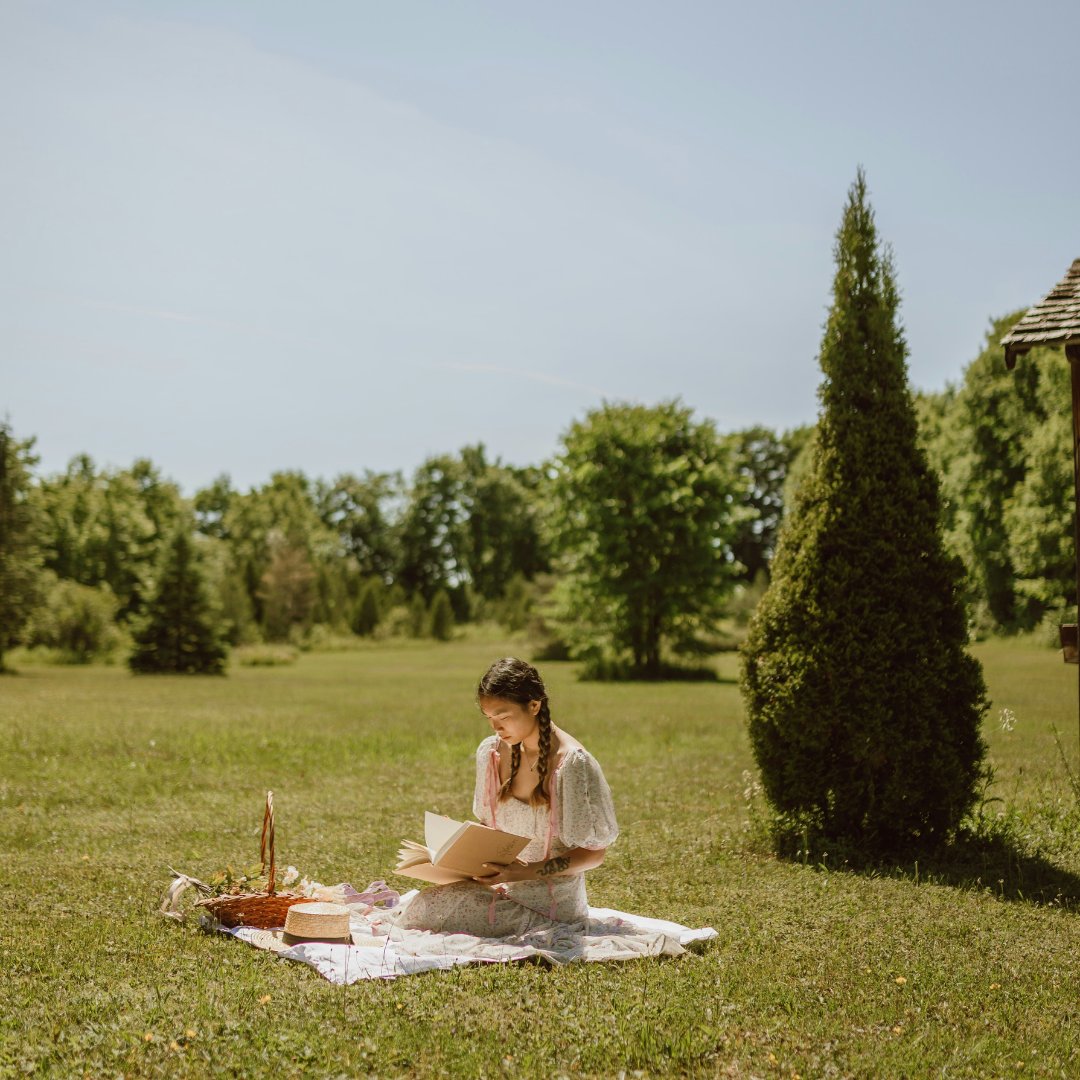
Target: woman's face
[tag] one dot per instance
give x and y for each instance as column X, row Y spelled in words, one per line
column 509, row 720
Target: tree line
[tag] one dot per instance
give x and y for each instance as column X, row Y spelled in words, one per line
column 629, row 546
column 466, row 538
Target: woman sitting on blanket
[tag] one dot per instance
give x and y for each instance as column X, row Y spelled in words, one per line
column 533, row 779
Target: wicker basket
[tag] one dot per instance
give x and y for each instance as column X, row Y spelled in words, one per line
column 264, row 910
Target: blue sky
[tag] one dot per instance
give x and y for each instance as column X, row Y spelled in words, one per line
column 240, row 237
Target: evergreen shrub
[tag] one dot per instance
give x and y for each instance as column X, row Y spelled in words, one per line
column 864, row 707
column 442, row 617
column 367, row 614
column 419, row 621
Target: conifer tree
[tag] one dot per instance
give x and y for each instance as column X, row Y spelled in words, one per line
column 863, row 704
column 21, row 581
column 181, row 632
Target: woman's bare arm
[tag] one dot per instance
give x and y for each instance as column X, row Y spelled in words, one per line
column 574, row 861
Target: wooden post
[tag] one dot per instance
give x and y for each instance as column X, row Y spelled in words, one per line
column 1072, row 354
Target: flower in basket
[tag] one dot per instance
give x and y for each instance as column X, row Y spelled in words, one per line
column 233, row 882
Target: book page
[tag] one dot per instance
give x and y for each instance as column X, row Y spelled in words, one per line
column 439, row 833
column 435, row 874
column 475, row 845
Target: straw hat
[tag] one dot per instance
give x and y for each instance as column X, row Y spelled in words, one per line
column 317, row 922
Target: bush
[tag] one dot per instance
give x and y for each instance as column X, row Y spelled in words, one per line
column 396, row 623
column 419, row 622
column 366, row 615
column 264, row 655
column 78, row 622
column 512, row 609
column 604, row 668
column 442, row 617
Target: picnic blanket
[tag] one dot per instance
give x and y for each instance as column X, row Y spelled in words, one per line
column 382, row 950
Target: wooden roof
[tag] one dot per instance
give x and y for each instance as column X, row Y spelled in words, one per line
column 1055, row 320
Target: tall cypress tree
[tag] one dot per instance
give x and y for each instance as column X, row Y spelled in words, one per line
column 863, row 704
column 181, row 633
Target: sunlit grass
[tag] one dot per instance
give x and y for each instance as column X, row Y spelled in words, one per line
column 106, row 778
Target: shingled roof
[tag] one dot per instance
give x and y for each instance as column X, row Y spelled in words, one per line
column 1055, row 320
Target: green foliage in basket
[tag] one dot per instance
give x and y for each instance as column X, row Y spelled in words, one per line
column 251, row 879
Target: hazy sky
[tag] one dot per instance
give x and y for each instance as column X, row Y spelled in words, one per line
column 240, row 237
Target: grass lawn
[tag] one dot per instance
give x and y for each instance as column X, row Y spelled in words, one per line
column 967, row 967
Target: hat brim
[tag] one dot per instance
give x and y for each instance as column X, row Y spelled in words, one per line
column 292, row 939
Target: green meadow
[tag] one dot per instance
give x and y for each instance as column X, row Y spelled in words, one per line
column 965, row 965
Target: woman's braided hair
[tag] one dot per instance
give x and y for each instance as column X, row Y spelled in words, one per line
column 515, row 680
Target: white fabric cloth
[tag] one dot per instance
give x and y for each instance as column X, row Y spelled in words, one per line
column 380, row 953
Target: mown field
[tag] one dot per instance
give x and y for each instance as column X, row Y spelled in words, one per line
column 966, row 966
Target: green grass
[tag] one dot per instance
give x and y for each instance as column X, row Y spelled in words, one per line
column 106, row 778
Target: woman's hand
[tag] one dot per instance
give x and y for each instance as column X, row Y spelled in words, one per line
column 503, row 874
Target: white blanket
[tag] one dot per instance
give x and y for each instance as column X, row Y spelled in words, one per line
column 381, row 951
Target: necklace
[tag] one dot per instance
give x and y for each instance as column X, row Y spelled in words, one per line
column 532, row 765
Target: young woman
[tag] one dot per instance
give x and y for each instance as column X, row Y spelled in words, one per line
column 533, row 779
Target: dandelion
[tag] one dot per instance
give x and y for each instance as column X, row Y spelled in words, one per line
column 190, row 1033
column 148, row 1037
column 174, row 1045
column 265, row 999
column 995, row 986
column 900, row 980
column 772, row 1058
column 897, row 1029
column 1007, row 719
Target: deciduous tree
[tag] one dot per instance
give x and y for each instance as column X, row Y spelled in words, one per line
column 643, row 515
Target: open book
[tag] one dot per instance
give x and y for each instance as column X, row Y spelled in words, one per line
column 456, row 850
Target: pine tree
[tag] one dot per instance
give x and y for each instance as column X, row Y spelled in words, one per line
column 181, row 632
column 863, row 704
column 21, row 581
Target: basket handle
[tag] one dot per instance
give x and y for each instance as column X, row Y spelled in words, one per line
column 268, row 840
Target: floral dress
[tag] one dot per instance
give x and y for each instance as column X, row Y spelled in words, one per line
column 581, row 814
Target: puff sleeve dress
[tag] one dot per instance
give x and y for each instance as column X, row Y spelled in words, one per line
column 581, row 814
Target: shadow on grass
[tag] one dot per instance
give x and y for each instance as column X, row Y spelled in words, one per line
column 993, row 864
column 614, row 671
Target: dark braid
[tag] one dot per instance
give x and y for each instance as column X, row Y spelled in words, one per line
column 515, row 680
column 515, row 762
column 540, row 795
